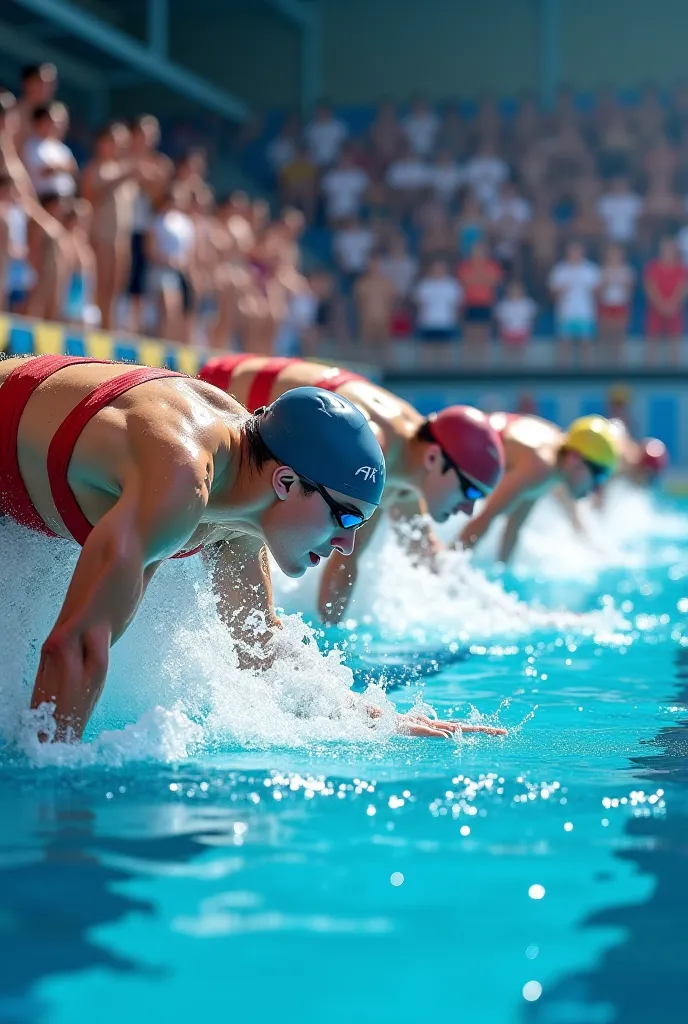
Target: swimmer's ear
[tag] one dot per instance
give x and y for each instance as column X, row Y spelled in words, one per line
column 432, row 455
column 282, row 480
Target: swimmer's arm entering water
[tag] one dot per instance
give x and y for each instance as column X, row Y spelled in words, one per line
column 241, row 580
column 504, row 498
column 161, row 504
column 340, row 574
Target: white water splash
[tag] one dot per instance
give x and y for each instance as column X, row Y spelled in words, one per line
column 452, row 603
column 174, row 686
column 632, row 531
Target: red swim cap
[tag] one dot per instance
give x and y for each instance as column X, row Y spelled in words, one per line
column 470, row 441
column 653, row 455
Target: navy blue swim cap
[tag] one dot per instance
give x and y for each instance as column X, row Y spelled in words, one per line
column 327, row 440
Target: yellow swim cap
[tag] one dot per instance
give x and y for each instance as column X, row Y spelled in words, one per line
column 595, row 439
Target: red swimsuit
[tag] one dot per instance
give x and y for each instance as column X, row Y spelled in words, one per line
column 219, row 371
column 14, row 395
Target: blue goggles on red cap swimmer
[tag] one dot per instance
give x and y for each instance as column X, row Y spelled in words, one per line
column 470, row 491
column 347, row 518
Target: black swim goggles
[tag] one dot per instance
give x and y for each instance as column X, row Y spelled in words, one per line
column 347, row 518
column 599, row 474
column 471, row 492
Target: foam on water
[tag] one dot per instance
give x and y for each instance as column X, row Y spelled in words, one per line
column 454, row 601
column 175, row 687
column 632, row 531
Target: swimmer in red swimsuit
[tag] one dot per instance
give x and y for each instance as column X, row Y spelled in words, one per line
column 140, row 465
column 437, row 465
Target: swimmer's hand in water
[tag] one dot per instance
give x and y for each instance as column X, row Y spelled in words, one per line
column 420, row 725
column 414, row 724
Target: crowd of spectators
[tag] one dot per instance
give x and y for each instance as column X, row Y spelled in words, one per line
column 128, row 239
column 496, row 223
column 490, row 225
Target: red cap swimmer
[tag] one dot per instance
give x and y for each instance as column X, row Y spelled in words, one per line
column 654, row 458
column 471, row 443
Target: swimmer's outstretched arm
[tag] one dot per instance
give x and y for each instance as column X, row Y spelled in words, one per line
column 161, row 504
column 340, row 574
column 505, row 495
column 513, row 528
column 242, row 583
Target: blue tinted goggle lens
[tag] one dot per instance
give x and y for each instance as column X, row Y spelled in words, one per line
column 600, row 474
column 471, row 492
column 346, row 519
column 349, row 521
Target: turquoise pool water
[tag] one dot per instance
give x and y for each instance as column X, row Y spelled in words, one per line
column 540, row 878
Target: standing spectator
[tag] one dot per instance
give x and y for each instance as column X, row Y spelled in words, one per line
column 662, row 211
column 110, row 183
column 574, row 282
column 620, row 209
column 616, row 290
column 471, row 225
column 438, row 300
column 50, row 163
column 324, row 136
column 420, row 126
column 543, row 239
column 285, row 145
column 666, row 287
column 344, row 187
column 386, row 136
column 299, row 183
column 515, row 316
column 438, row 234
column 480, row 277
column 445, row 176
column 399, row 267
column 485, row 172
column 407, row 177
column 16, row 273
column 352, row 245
column 155, row 171
column 509, row 217
column 170, row 249
column 38, row 88
column 375, row 297
column 661, row 160
column 79, row 307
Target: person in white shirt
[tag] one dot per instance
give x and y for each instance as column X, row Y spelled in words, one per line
column 619, row 210
column 509, row 216
column 170, row 247
column 438, row 300
column 407, row 178
column 324, row 136
column 485, row 172
column 399, row 266
column 515, row 315
column 16, row 274
column 352, row 245
column 50, row 163
column 574, row 283
column 420, row 127
column 617, row 282
column 445, row 176
column 344, row 187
